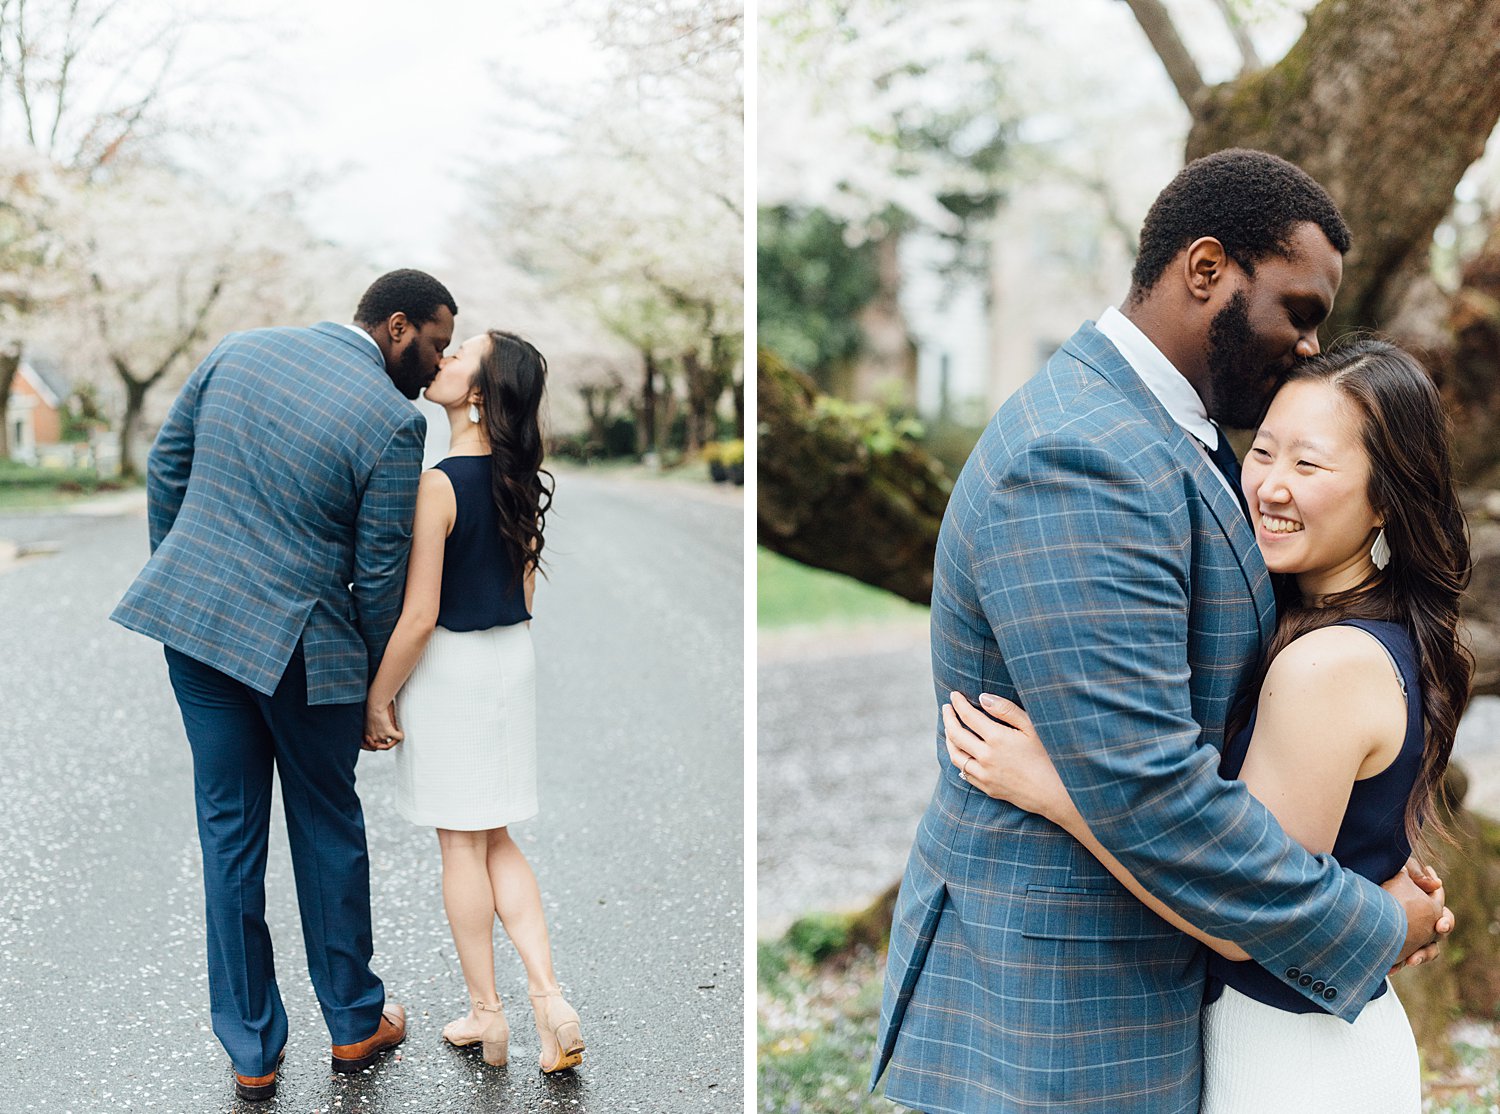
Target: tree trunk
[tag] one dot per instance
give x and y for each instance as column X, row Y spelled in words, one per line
column 885, row 371
column 598, row 403
column 10, row 363
column 724, row 354
column 1467, row 979
column 1386, row 103
column 646, row 431
column 827, row 498
column 667, row 404
column 702, row 392
column 135, row 401
column 1465, row 362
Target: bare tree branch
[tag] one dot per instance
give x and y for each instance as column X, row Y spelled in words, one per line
column 23, row 86
column 72, row 48
column 1249, row 57
column 194, row 332
column 1156, row 21
column 129, row 117
column 191, row 333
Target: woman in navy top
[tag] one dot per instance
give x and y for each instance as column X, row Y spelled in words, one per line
column 1349, row 485
column 461, row 660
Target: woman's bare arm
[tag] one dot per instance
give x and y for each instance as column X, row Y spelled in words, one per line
column 435, row 514
column 1330, row 711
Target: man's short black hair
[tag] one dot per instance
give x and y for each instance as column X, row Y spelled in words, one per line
column 414, row 293
column 1249, row 201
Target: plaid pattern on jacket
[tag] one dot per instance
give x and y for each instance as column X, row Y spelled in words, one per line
column 280, row 494
column 1092, row 567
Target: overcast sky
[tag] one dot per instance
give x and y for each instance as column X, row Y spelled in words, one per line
column 387, row 105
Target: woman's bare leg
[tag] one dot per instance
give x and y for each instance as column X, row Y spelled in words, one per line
column 518, row 901
column 469, row 902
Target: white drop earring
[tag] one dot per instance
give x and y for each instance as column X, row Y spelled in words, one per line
column 473, row 414
column 1380, row 552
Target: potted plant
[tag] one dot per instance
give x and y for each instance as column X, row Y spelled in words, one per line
column 732, row 453
column 713, row 453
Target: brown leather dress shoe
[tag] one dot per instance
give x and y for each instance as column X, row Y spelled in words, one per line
column 258, row 1088
column 390, row 1033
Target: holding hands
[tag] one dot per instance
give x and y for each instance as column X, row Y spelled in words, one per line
column 381, row 730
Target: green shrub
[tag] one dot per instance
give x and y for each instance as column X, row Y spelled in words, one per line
column 15, row 475
column 619, row 437
column 819, row 935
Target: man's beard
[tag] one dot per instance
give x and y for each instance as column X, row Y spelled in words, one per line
column 410, row 376
column 1240, row 390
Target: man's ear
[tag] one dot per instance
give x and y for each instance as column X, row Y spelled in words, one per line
column 1204, row 265
column 397, row 324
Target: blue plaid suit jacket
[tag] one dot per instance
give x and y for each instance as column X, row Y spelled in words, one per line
column 280, row 494
column 1092, row 567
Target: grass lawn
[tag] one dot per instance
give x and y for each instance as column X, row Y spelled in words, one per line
column 815, row 1032
column 694, row 470
column 25, row 487
column 38, row 498
column 789, row 594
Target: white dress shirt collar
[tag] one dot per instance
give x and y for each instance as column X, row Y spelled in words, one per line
column 368, row 338
column 1162, row 379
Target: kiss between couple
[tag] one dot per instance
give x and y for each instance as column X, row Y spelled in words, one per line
column 287, row 508
column 1240, row 694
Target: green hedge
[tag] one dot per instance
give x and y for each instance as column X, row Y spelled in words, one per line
column 16, row 476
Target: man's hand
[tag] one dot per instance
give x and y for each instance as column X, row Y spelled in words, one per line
column 1428, row 920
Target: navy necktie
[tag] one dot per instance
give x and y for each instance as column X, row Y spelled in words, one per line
column 1226, row 462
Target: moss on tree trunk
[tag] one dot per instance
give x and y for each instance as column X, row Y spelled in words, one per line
column 1386, row 103
column 840, row 491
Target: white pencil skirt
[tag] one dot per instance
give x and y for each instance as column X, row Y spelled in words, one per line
column 468, row 761
column 1257, row 1058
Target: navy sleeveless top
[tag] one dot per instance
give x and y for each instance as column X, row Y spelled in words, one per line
column 480, row 588
column 1372, row 837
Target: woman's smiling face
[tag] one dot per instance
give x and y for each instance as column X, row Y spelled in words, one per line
column 1306, row 479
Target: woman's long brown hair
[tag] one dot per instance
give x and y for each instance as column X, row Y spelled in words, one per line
column 1406, row 436
column 512, row 377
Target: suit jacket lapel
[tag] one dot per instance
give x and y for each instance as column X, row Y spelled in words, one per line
column 1094, row 349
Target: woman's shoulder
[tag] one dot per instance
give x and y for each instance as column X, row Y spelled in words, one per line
column 435, row 479
column 1342, row 671
column 1333, row 651
column 435, row 494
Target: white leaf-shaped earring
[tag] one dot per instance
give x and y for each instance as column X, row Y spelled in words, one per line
column 1380, row 552
column 473, row 414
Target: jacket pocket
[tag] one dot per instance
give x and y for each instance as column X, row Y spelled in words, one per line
column 1069, row 913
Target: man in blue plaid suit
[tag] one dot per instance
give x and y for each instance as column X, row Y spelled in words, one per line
column 281, row 491
column 1095, row 566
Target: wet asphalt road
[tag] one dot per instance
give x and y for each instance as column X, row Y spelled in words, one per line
column 638, row 848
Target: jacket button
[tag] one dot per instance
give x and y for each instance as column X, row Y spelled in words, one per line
column 1331, row 993
column 1305, row 980
column 1292, row 973
column 1318, row 986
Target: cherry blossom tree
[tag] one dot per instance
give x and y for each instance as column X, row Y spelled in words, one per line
column 158, row 264
column 91, row 91
column 633, row 211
